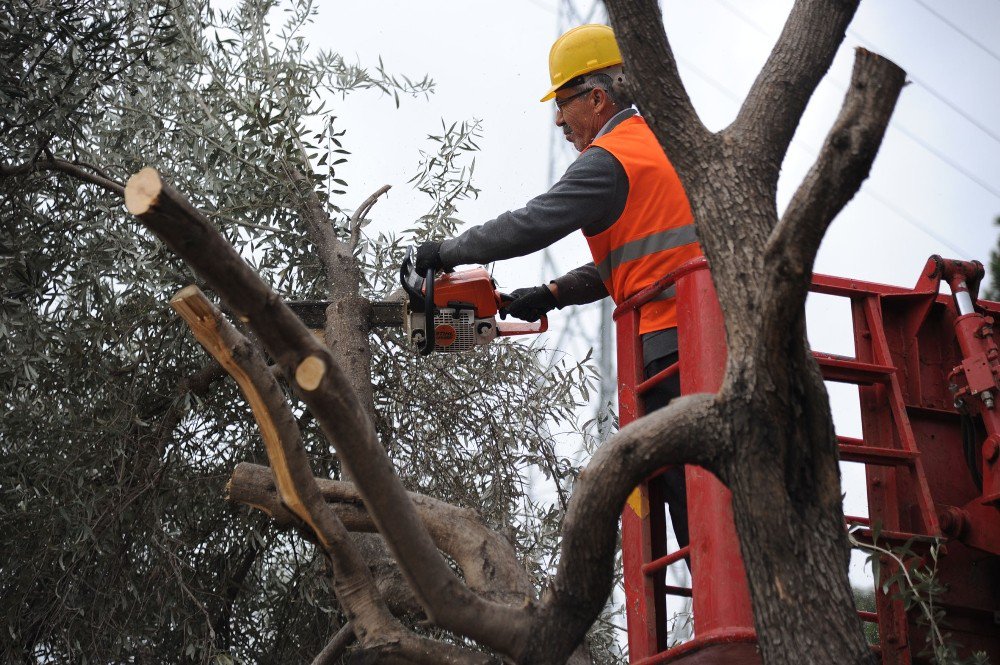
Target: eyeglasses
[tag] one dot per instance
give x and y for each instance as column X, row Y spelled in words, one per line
column 560, row 103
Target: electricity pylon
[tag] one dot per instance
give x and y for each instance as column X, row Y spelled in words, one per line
column 579, row 331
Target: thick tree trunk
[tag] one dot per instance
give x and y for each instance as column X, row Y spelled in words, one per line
column 781, row 453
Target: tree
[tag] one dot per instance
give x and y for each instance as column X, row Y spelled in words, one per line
column 767, row 434
column 992, row 292
column 119, row 433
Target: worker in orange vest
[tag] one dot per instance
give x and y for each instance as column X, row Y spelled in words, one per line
column 625, row 196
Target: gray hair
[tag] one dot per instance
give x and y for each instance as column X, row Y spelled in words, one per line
column 612, row 81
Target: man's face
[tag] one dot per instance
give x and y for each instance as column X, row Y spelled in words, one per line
column 578, row 113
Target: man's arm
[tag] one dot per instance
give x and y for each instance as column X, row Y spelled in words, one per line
column 579, row 286
column 590, row 195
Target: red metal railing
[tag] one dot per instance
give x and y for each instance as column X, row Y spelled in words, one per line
column 916, row 353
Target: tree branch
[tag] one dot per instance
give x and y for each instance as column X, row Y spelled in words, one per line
column 352, row 579
column 843, row 164
column 334, row 649
column 360, row 213
column 799, row 60
column 318, row 380
column 690, row 430
column 488, row 562
column 655, row 81
column 77, row 170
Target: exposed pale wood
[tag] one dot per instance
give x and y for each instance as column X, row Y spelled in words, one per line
column 346, row 421
column 203, row 319
column 299, row 494
column 309, row 374
column 141, row 191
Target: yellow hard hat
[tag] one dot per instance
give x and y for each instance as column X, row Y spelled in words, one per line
column 584, row 49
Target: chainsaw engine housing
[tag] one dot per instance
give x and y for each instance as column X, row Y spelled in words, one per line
column 465, row 305
column 454, row 330
column 460, row 308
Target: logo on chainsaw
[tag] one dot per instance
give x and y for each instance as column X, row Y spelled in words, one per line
column 445, row 335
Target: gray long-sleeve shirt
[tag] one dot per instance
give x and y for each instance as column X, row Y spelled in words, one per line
column 590, row 197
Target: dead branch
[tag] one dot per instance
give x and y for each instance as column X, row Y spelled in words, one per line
column 488, row 562
column 353, row 582
column 79, row 170
column 322, row 385
column 360, row 213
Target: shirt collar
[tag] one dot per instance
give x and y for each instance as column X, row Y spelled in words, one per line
column 614, row 121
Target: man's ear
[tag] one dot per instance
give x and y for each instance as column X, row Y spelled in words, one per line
column 600, row 99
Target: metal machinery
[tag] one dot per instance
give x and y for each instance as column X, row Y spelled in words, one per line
column 926, row 368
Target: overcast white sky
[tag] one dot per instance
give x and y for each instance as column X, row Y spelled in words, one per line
column 934, row 187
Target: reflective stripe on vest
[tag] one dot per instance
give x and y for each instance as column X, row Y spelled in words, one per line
column 655, row 233
column 636, row 249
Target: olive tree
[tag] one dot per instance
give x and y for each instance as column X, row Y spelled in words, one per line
column 119, row 433
column 767, row 434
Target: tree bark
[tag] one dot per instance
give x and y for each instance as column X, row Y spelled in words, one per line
column 781, row 461
column 767, row 434
column 488, row 562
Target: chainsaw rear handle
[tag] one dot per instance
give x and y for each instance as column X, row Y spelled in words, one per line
column 429, row 340
column 510, row 329
column 420, row 290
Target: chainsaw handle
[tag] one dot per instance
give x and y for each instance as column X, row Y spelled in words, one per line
column 510, row 329
column 429, row 340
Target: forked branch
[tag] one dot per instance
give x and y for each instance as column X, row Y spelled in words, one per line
column 359, row 215
column 488, row 562
column 294, row 480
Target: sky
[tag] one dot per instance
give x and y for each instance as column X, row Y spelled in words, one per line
column 934, row 187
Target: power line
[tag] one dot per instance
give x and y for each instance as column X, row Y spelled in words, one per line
column 920, row 83
column 960, row 252
column 947, row 160
column 896, row 126
column 957, row 29
column 871, row 46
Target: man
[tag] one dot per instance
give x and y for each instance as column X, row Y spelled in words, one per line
column 621, row 192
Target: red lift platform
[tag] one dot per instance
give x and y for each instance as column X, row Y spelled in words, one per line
column 926, row 365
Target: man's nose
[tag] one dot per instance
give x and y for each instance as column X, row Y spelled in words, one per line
column 560, row 121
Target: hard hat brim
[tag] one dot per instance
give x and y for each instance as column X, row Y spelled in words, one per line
column 587, row 70
column 551, row 93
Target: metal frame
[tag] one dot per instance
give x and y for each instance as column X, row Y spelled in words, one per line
column 920, row 357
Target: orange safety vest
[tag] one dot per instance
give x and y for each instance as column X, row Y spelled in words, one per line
column 655, row 232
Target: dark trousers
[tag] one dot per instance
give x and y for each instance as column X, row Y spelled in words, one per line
column 671, row 483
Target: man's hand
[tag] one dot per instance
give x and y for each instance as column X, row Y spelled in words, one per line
column 532, row 303
column 428, row 257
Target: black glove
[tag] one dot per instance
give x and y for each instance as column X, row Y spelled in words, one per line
column 428, row 257
column 532, row 303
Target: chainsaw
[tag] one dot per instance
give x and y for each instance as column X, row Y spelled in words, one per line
column 446, row 313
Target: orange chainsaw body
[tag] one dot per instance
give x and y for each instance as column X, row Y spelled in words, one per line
column 473, row 288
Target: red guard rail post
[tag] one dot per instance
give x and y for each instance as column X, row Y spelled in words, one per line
column 723, row 621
